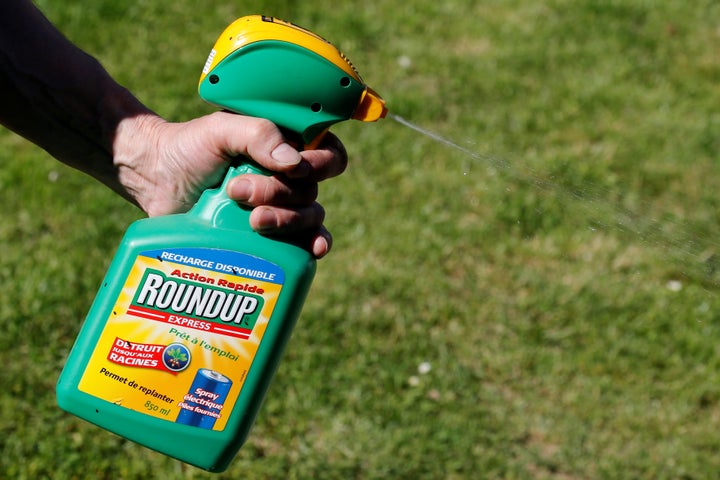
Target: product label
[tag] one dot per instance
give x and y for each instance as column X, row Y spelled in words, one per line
column 183, row 334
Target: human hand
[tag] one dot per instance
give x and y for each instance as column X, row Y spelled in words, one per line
column 164, row 167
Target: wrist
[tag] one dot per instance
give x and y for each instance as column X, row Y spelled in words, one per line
column 134, row 140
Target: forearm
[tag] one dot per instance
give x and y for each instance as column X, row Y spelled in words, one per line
column 57, row 96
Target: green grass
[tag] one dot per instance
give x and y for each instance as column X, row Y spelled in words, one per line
column 563, row 283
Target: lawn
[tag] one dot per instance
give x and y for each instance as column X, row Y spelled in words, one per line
column 540, row 303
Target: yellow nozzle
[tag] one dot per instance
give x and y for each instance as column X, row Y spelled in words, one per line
column 371, row 107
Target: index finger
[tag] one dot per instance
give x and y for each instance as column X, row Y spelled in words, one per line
column 329, row 160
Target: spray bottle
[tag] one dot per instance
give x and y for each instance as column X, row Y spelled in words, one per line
column 191, row 319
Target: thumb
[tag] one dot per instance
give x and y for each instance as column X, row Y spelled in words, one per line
column 257, row 138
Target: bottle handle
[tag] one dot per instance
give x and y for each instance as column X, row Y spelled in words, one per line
column 217, row 208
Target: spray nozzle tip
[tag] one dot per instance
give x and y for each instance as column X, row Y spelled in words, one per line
column 371, row 107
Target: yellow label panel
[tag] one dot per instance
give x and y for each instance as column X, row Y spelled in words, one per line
column 183, row 334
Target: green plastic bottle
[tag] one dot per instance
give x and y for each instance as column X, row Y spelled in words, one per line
column 184, row 336
column 188, row 326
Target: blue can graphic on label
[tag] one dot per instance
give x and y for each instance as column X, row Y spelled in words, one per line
column 203, row 403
